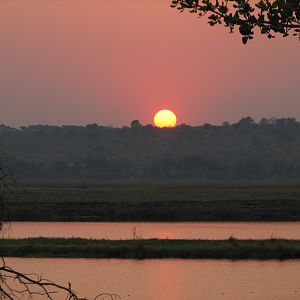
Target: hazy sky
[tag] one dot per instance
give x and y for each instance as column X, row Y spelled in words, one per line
column 109, row 62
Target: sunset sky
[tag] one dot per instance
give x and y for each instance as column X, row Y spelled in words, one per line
column 109, row 62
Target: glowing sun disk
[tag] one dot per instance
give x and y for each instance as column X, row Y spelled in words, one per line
column 165, row 118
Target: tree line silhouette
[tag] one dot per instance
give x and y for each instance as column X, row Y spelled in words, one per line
column 269, row 149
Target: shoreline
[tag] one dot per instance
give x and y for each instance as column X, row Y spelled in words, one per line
column 232, row 248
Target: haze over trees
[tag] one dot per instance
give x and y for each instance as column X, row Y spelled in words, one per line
column 244, row 150
column 278, row 17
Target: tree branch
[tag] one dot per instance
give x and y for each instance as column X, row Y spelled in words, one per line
column 278, row 17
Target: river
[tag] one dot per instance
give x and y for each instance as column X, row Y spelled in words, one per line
column 172, row 279
column 167, row 279
column 172, row 230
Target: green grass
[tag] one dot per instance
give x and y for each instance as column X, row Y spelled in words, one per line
column 151, row 248
column 156, row 201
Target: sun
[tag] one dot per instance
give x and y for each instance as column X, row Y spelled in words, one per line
column 165, row 118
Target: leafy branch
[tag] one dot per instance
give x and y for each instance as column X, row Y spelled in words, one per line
column 279, row 17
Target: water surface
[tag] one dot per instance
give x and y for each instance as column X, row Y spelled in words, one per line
column 172, row 279
column 172, row 230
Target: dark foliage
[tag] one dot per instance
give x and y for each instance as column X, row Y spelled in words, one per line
column 270, row 17
column 245, row 150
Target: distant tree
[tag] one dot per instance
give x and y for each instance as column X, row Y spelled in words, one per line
column 270, row 17
column 207, row 126
column 183, row 125
column 149, row 126
column 91, row 126
column 245, row 122
column 135, row 124
column 225, row 124
column 6, row 128
column 286, row 122
column 265, row 122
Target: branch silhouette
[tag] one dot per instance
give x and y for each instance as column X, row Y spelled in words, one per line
column 16, row 285
column 280, row 17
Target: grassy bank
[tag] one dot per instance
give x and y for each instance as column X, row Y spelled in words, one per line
column 156, row 201
column 152, row 248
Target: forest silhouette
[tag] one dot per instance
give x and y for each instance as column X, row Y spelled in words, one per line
column 269, row 149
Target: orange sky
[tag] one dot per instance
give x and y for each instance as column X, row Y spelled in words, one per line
column 109, row 62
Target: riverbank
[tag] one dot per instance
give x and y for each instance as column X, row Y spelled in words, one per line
column 156, row 201
column 151, row 248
